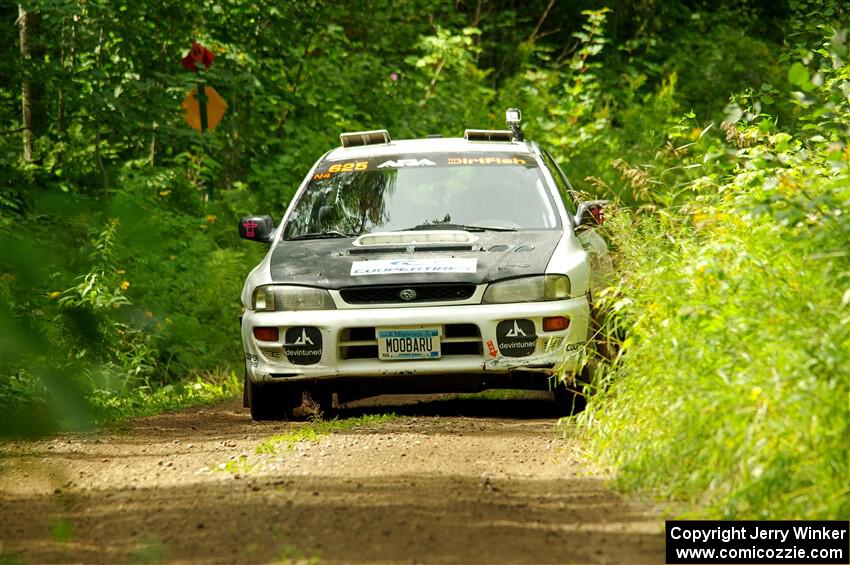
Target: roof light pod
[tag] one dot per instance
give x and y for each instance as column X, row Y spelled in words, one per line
column 513, row 117
column 359, row 138
column 488, row 135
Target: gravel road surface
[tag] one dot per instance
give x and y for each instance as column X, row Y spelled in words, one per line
column 450, row 480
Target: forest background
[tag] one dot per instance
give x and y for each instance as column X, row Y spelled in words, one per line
column 720, row 129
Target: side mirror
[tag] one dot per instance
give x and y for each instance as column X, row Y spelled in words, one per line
column 590, row 213
column 256, row 228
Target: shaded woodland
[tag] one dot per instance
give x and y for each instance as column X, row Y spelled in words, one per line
column 720, row 129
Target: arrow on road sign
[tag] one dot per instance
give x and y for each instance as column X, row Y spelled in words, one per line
column 204, row 108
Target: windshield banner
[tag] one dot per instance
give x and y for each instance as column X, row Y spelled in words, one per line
column 327, row 169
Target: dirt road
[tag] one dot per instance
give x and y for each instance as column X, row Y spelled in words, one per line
column 448, row 481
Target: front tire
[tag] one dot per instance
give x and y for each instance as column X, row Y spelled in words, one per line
column 272, row 401
column 571, row 395
column 569, row 401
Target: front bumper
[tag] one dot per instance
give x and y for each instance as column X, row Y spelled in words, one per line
column 470, row 343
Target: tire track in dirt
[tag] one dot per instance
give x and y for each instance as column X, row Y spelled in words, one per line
column 451, row 481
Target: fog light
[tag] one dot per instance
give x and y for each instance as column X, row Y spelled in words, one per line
column 555, row 323
column 263, row 333
column 271, row 353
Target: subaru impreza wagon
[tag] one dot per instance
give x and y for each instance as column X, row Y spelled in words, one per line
column 422, row 265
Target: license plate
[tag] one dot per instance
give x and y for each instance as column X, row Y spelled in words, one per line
column 408, row 343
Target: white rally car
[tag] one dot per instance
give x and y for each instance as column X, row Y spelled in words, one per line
column 425, row 265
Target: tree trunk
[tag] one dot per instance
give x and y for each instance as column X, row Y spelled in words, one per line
column 24, row 21
column 98, row 155
column 542, row 19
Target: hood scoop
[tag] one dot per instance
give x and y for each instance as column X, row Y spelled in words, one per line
column 379, row 249
column 424, row 240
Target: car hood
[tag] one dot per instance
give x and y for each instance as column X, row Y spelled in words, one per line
column 486, row 257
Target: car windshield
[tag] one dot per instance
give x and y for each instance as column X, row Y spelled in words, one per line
column 471, row 191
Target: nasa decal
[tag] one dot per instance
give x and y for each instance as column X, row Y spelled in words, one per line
column 303, row 345
column 516, row 338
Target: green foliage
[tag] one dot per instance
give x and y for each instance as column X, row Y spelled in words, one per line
column 721, row 128
column 145, row 400
column 150, row 549
column 293, row 555
column 320, row 428
column 238, row 466
column 730, row 390
column 61, row 530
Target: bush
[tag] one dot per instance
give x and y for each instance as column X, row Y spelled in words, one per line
column 730, row 391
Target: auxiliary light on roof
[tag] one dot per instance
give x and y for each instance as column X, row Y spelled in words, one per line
column 358, row 138
column 487, row 135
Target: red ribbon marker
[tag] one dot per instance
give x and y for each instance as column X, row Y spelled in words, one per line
column 198, row 54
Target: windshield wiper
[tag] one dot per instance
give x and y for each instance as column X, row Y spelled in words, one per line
column 321, row 235
column 457, row 227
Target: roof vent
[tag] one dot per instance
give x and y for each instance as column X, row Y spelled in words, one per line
column 358, row 138
column 488, row 135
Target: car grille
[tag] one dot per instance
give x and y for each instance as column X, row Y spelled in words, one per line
column 457, row 339
column 392, row 293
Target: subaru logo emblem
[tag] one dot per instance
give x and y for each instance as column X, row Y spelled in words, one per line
column 407, row 294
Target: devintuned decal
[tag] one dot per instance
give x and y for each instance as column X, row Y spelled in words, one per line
column 303, row 345
column 516, row 338
column 405, row 266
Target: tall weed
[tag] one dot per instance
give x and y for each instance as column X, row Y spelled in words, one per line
column 731, row 389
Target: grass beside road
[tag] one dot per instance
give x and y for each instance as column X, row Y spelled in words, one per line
column 730, row 392
column 318, row 429
column 207, row 388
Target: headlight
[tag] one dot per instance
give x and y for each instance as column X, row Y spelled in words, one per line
column 271, row 298
column 528, row 289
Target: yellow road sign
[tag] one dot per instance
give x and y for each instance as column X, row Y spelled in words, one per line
column 215, row 108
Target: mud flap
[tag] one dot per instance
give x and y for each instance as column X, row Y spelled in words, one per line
column 245, row 403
